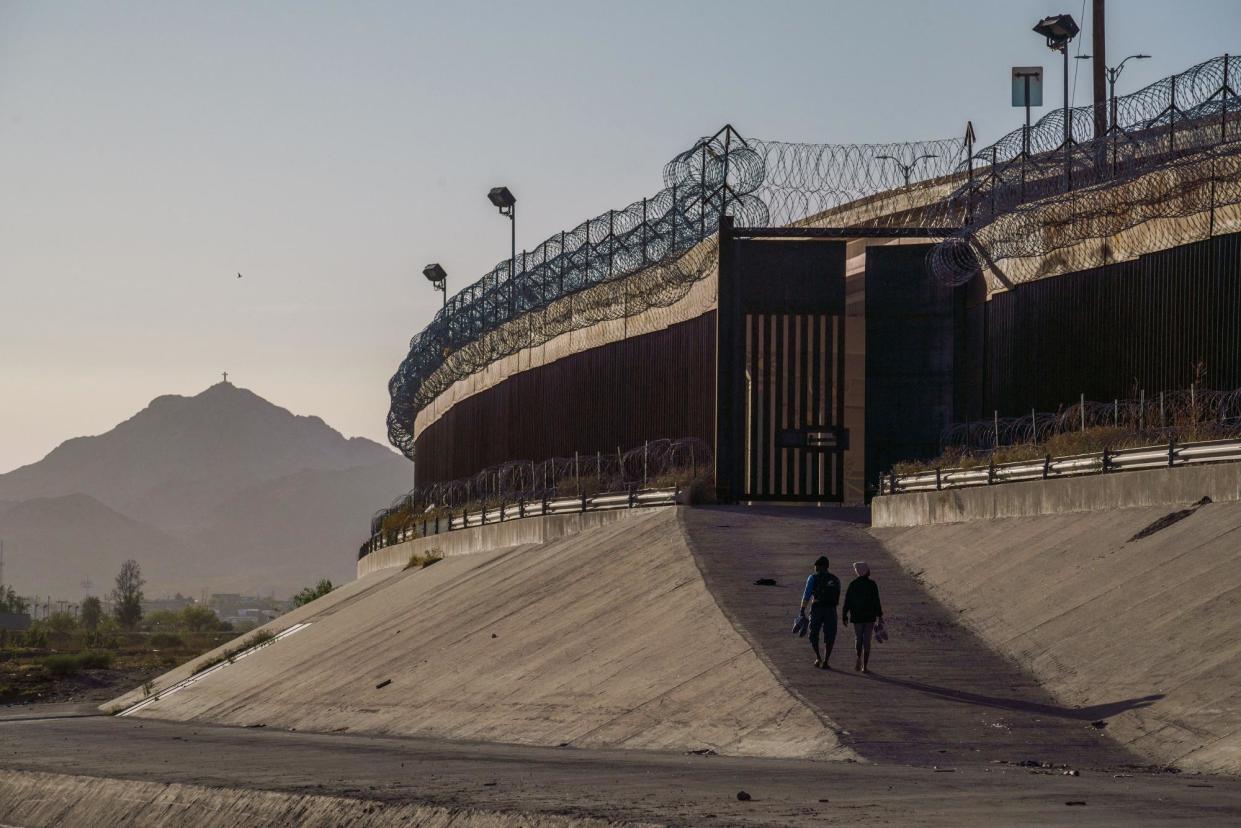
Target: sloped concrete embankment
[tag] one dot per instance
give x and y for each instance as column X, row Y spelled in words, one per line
column 605, row 638
column 39, row 800
column 937, row 694
column 1146, row 630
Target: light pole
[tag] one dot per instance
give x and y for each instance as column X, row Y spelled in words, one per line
column 1112, row 74
column 1060, row 29
column 506, row 203
column 1113, row 127
column 907, row 169
column 438, row 279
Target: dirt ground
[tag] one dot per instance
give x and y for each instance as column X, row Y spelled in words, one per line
column 27, row 687
column 666, row 788
column 24, row 680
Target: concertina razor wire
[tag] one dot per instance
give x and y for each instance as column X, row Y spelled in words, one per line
column 1013, row 199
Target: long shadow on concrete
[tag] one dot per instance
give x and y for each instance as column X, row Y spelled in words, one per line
column 937, row 694
column 1090, row 713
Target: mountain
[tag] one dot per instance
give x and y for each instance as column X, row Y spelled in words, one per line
column 181, row 456
column 275, row 527
column 222, row 490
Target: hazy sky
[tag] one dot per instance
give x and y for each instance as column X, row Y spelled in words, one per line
column 150, row 151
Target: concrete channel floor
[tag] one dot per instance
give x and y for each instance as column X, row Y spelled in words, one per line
column 936, row 695
column 663, row 788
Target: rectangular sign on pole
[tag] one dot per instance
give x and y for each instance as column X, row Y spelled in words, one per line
column 1031, row 78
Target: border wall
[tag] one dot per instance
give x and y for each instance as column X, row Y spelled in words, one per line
column 618, row 394
column 1111, row 331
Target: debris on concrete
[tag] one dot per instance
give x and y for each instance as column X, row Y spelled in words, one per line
column 383, row 684
column 765, row 582
column 1076, row 802
column 1098, row 723
column 703, row 752
column 742, row 796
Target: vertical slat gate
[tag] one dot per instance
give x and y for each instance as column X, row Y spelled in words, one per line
column 792, row 364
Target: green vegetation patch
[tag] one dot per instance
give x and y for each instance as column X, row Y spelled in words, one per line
column 68, row 664
column 255, row 639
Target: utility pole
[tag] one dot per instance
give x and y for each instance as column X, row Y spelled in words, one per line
column 1100, row 70
column 1, row 561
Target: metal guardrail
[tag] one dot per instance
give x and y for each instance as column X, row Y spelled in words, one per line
column 1051, row 468
column 606, row 501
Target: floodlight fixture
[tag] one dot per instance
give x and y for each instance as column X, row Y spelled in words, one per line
column 1059, row 29
column 434, row 272
column 503, row 199
column 438, row 278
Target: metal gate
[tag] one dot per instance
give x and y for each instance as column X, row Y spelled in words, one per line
column 781, row 343
column 794, row 406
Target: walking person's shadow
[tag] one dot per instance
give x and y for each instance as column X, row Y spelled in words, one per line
column 1087, row 714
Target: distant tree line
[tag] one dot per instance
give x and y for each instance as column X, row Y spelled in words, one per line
column 127, row 614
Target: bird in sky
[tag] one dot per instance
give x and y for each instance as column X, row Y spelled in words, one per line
column 238, row 275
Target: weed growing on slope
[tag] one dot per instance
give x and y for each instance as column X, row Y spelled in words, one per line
column 417, row 561
column 253, row 640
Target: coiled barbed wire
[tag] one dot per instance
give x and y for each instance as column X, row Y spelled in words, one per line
column 803, row 180
column 1029, row 196
column 647, row 255
column 656, row 463
column 650, row 236
column 1016, row 201
column 1195, row 413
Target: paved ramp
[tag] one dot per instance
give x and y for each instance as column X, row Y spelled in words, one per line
column 937, row 694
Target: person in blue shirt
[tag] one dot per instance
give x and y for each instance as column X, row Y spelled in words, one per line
column 822, row 594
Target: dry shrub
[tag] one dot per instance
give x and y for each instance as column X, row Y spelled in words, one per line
column 416, row 561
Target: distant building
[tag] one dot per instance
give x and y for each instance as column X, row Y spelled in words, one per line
column 246, row 609
column 174, row 604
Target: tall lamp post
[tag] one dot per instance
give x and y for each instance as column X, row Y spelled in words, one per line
column 1112, row 74
column 1060, row 29
column 506, row 203
column 906, row 169
column 438, row 279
